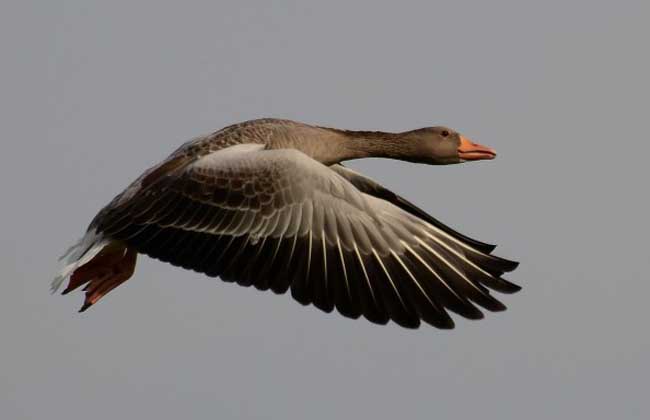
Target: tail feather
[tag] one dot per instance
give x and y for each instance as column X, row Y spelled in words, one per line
column 77, row 255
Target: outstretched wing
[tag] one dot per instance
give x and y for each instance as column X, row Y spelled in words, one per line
column 371, row 187
column 279, row 220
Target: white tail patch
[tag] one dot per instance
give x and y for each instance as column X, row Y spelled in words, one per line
column 77, row 255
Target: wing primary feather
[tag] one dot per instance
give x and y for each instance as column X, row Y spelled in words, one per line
column 473, row 290
column 501, row 263
column 390, row 279
column 258, row 269
column 345, row 271
column 417, row 283
column 309, row 247
column 237, row 265
column 299, row 279
column 213, row 269
column 365, row 274
column 400, row 312
column 372, row 309
column 275, row 252
column 431, row 311
column 318, row 286
column 494, row 282
column 324, row 245
column 452, row 299
column 450, row 265
column 285, row 267
column 431, row 269
column 340, row 284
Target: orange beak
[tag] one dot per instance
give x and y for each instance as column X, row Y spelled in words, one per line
column 472, row 151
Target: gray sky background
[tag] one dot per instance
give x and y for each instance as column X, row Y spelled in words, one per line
column 92, row 93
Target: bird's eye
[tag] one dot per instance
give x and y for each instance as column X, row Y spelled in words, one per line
column 444, row 133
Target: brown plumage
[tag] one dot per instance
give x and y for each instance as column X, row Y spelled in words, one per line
column 267, row 203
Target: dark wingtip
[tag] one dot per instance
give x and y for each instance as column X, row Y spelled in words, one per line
column 505, row 265
column 488, row 302
column 497, row 265
column 499, row 307
column 406, row 205
column 446, row 325
column 512, row 265
column 412, row 323
column 504, row 286
column 475, row 314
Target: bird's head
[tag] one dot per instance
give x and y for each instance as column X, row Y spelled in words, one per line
column 443, row 146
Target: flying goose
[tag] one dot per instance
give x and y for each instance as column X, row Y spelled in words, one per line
column 268, row 203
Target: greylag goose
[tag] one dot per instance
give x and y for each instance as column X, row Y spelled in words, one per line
column 268, row 203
